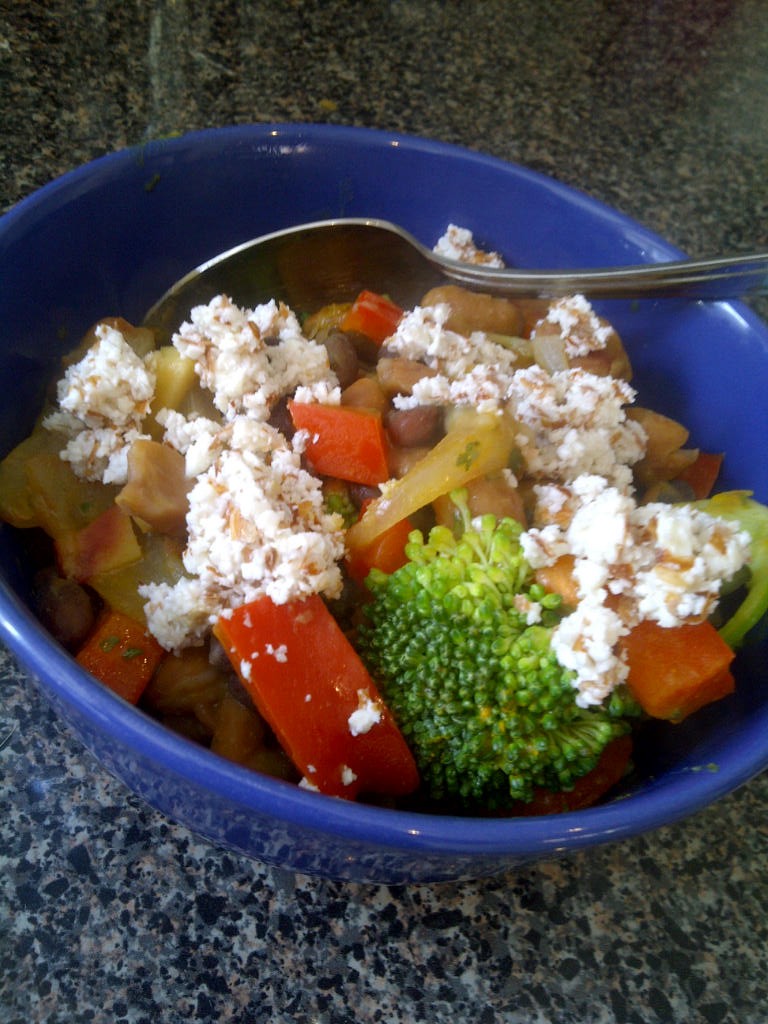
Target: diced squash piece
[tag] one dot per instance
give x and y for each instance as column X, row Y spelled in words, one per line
column 16, row 504
column 665, row 438
column 174, row 378
column 674, row 672
column 106, row 544
column 560, row 580
column 325, row 319
column 61, row 501
column 160, row 562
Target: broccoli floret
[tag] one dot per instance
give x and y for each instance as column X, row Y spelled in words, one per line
column 486, row 707
column 336, row 498
column 749, row 515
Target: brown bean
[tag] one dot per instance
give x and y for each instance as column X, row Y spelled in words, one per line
column 397, row 376
column 401, row 460
column 486, row 494
column 476, row 311
column 365, row 393
column 65, row 608
column 410, row 428
column 342, row 355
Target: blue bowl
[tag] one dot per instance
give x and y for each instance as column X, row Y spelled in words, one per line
column 110, row 237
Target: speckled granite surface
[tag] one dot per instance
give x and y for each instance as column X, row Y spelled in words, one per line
column 111, row 913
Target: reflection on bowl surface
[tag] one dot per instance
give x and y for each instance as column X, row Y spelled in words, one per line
column 109, row 238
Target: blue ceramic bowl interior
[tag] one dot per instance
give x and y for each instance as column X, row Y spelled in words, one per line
column 110, row 237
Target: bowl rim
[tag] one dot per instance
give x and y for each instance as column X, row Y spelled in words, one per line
column 397, row 830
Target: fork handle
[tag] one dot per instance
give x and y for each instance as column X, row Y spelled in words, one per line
column 727, row 277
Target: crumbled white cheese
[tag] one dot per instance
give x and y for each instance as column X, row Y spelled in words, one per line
column 421, row 334
column 110, row 386
column 578, row 425
column 631, row 562
column 459, row 244
column 367, row 714
column 347, row 775
column 577, row 324
column 249, row 358
column 256, row 525
column 102, row 401
column 585, row 642
column 279, row 653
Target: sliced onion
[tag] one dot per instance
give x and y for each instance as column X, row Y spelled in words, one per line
column 549, row 352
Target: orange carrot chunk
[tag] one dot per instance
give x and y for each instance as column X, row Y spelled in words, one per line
column 309, row 684
column 122, row 655
column 674, row 672
column 344, row 441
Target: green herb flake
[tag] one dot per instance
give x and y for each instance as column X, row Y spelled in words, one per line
column 109, row 643
column 132, row 652
column 469, row 455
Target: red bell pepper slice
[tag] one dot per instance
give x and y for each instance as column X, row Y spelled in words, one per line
column 373, row 315
column 346, row 442
column 310, row 685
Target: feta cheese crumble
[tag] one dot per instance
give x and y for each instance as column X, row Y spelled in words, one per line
column 459, row 244
column 249, row 358
column 368, row 714
column 256, row 526
column 577, row 324
column 631, row 562
column 103, row 399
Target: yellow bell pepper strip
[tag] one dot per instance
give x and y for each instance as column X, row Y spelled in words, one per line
column 122, row 655
column 373, row 315
column 473, row 449
column 346, row 442
column 310, row 685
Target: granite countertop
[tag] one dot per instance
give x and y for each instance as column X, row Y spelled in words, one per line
column 109, row 911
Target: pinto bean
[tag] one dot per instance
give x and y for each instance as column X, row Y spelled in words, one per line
column 476, row 311
column 410, row 428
